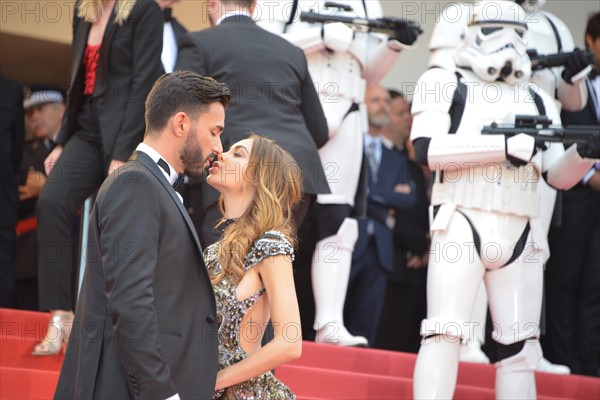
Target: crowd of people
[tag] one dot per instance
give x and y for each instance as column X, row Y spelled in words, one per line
column 227, row 176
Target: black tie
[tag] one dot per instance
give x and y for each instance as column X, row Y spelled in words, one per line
column 180, row 177
column 179, row 181
column 593, row 74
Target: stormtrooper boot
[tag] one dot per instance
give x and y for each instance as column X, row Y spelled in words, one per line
column 330, row 275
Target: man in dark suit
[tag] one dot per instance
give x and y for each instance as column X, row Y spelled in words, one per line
column 273, row 94
column 389, row 188
column 405, row 300
column 12, row 134
column 573, row 271
column 145, row 324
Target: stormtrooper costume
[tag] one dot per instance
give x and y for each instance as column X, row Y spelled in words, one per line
column 485, row 207
column 548, row 35
column 342, row 62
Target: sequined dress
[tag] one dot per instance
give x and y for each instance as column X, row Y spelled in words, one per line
column 231, row 312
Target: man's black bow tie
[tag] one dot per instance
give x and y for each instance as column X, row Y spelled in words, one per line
column 167, row 14
column 593, row 74
column 180, row 177
column 179, row 181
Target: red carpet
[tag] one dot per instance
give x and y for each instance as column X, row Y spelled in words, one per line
column 323, row 372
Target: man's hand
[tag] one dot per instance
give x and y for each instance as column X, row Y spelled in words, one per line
column 402, row 188
column 33, row 186
column 50, row 161
column 416, row 262
column 114, row 164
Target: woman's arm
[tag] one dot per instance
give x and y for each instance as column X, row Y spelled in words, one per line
column 276, row 274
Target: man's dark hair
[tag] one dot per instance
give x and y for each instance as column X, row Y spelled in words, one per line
column 593, row 26
column 182, row 91
column 242, row 3
column 395, row 93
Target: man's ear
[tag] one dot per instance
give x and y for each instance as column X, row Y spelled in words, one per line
column 589, row 42
column 252, row 7
column 180, row 124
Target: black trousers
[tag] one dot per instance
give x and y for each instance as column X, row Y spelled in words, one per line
column 572, row 285
column 8, row 237
column 78, row 173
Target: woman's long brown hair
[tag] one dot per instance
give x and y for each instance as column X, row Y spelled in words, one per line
column 278, row 182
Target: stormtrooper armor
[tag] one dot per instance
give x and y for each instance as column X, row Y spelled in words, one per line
column 548, row 35
column 485, row 207
column 342, row 62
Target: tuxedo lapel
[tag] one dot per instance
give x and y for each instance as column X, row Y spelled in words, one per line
column 110, row 30
column 144, row 159
column 79, row 44
column 382, row 163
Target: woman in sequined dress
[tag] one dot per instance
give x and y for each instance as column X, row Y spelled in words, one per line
column 251, row 268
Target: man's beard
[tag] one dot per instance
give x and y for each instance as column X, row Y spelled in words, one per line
column 379, row 121
column 192, row 156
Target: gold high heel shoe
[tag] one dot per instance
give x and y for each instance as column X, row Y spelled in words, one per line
column 62, row 323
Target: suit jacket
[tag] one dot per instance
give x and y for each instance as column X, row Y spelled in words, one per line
column 129, row 64
column 273, row 92
column 393, row 170
column 145, row 323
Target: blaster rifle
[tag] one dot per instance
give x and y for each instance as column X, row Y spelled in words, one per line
column 379, row 24
column 541, row 61
column 541, row 128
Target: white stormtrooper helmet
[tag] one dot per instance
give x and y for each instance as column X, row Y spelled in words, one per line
column 531, row 5
column 493, row 45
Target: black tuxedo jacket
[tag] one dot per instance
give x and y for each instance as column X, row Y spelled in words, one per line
column 273, row 92
column 145, row 322
column 128, row 66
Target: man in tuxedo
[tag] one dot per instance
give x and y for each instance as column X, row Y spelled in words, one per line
column 172, row 31
column 273, row 95
column 145, row 324
column 389, row 189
